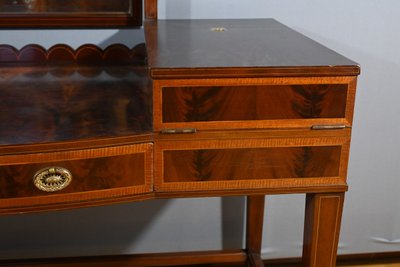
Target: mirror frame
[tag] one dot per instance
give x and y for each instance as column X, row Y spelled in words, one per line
column 74, row 19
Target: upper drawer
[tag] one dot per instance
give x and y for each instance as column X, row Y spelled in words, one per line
column 253, row 103
column 62, row 178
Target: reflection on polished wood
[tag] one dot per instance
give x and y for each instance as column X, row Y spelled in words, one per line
column 68, row 101
column 56, row 109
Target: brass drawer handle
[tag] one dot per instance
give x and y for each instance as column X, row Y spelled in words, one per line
column 52, row 179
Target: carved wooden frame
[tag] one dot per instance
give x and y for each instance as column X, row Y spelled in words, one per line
column 133, row 18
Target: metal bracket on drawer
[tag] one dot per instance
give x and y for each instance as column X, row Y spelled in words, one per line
column 328, row 127
column 179, row 131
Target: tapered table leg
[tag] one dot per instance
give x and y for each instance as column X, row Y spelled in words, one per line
column 321, row 232
column 254, row 229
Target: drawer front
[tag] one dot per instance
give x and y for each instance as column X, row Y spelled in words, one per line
column 253, row 103
column 35, row 179
column 251, row 164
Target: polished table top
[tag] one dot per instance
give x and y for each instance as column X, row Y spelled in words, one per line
column 263, row 44
column 41, row 104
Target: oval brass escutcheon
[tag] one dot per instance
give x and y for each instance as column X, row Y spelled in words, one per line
column 52, row 179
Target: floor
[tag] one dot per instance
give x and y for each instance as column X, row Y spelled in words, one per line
column 298, row 265
column 375, row 265
column 345, row 265
column 356, row 265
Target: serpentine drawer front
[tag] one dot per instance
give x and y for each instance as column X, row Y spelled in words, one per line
column 78, row 175
column 253, row 103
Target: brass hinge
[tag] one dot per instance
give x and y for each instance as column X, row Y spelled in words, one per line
column 179, row 131
column 328, row 127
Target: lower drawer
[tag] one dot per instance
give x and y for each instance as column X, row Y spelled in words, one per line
column 75, row 176
column 269, row 163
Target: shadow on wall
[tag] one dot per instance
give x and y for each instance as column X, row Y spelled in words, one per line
column 73, row 37
column 89, row 231
column 233, row 222
column 120, row 229
column 128, row 37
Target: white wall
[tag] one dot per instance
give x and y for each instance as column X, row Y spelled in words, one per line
column 74, row 38
column 367, row 31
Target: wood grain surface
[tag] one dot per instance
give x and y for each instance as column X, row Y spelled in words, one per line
column 103, row 173
column 250, row 163
column 88, row 175
column 194, row 104
column 53, row 102
column 322, row 226
column 151, row 9
column 252, row 89
column 217, row 48
column 249, row 103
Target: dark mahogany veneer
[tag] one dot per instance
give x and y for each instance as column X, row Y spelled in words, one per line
column 205, row 108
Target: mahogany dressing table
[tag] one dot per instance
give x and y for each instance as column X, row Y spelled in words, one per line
column 204, row 108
